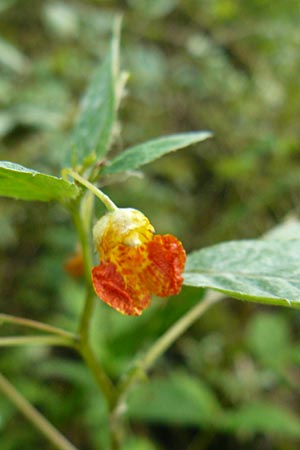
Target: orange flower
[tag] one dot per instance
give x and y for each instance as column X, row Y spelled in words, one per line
column 74, row 265
column 135, row 263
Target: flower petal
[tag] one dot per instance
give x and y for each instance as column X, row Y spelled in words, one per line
column 134, row 262
column 167, row 257
column 123, row 226
column 110, row 287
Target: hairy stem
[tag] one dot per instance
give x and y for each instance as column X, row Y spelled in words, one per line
column 34, row 416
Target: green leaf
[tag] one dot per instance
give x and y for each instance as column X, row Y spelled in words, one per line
column 259, row 271
column 71, row 371
column 147, row 152
column 93, row 130
column 26, row 184
column 261, row 417
column 179, row 398
column 139, row 443
column 268, row 336
column 11, row 57
column 289, row 229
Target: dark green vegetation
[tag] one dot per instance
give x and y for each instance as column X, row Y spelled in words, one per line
column 226, row 66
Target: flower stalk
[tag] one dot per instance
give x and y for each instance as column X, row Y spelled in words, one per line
column 108, row 203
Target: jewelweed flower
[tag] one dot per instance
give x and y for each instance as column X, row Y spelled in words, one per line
column 74, row 265
column 135, row 263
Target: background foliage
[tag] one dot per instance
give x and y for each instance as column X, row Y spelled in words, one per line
column 223, row 65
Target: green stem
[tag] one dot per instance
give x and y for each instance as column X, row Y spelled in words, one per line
column 85, row 321
column 34, row 416
column 158, row 348
column 82, row 221
column 36, row 340
column 89, row 303
column 84, row 348
column 179, row 327
column 109, row 204
column 103, row 381
column 6, row 318
column 84, row 327
column 167, row 339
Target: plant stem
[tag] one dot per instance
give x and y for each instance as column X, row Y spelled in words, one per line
column 179, row 327
column 84, row 347
column 36, row 340
column 82, row 221
column 88, row 308
column 34, row 416
column 157, row 349
column 167, row 339
column 84, row 327
column 109, row 204
column 6, row 318
column 103, row 381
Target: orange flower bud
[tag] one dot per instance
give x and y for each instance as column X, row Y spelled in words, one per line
column 135, row 263
column 74, row 264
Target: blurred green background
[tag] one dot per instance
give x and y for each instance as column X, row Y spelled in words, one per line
column 229, row 66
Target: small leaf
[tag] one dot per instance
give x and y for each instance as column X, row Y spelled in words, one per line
column 259, row 271
column 261, row 417
column 26, row 184
column 180, row 398
column 93, row 130
column 147, row 152
column 11, row 57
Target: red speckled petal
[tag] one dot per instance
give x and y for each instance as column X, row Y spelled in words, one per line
column 110, row 287
column 167, row 259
